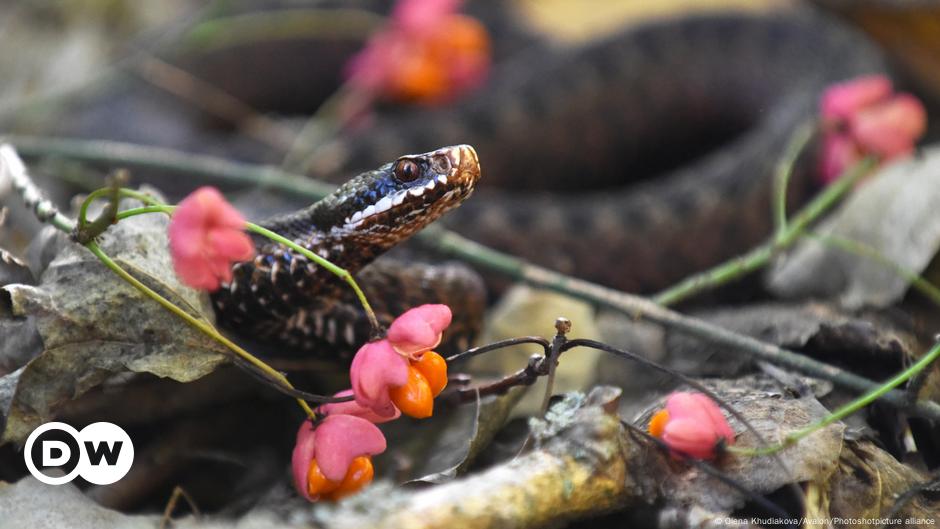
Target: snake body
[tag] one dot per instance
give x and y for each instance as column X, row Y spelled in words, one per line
column 641, row 157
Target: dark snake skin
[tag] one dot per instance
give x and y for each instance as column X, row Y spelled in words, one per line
column 639, row 158
column 632, row 161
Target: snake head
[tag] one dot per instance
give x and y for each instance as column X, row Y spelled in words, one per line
column 401, row 197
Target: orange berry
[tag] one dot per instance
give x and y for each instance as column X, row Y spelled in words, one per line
column 414, row 398
column 434, row 368
column 658, row 423
column 317, row 484
column 466, row 35
column 357, row 477
column 418, row 78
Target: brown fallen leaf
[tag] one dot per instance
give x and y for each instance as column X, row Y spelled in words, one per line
column 821, row 328
column 94, row 325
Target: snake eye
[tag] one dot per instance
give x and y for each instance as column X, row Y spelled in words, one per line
column 406, row 170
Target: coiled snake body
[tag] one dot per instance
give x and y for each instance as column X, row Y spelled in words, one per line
column 631, row 161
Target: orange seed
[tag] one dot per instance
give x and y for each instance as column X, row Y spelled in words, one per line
column 434, row 368
column 414, row 398
column 658, row 423
column 357, row 477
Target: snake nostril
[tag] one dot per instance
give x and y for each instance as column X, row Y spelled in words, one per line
column 440, row 164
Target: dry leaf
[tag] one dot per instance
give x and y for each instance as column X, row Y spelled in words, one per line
column 94, row 325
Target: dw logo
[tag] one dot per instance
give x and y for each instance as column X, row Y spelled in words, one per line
column 101, row 453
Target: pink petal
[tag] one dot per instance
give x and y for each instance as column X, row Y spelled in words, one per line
column 231, row 244
column 839, row 153
column 891, row 128
column 716, row 419
column 206, row 237
column 419, row 329
column 375, row 369
column 221, row 213
column 355, row 409
column 342, row 438
column 185, row 232
column 196, row 272
column 690, row 437
column 700, row 420
column 419, row 16
column 302, row 457
column 841, row 100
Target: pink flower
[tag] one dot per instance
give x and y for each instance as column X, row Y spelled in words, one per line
column 890, row 128
column 401, row 373
column 376, row 369
column 354, row 408
column 206, row 237
column 421, row 15
column 692, row 425
column 426, row 53
column 419, row 329
column 841, row 100
column 328, row 451
column 864, row 117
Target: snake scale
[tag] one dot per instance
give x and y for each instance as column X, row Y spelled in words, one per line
column 632, row 160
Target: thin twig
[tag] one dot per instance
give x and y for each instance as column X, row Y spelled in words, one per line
column 524, row 377
column 178, row 492
column 13, row 170
column 562, row 327
column 133, row 156
column 289, row 391
column 469, row 353
column 761, row 255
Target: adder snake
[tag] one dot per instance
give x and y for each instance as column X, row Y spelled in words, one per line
column 631, row 161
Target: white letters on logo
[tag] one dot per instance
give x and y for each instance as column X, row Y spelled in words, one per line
column 106, row 453
column 50, row 447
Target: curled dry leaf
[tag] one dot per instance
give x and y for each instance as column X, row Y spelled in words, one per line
column 468, row 429
column 94, row 325
column 19, row 339
column 817, row 327
column 895, row 213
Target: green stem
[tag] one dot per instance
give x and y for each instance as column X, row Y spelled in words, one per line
column 199, row 324
column 171, row 161
column 342, row 273
column 303, row 23
column 146, row 209
column 849, row 408
column 761, row 255
column 784, row 171
column 863, row 250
